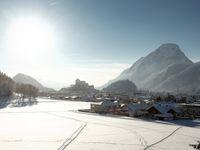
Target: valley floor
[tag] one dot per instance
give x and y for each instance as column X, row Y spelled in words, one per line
column 56, row 125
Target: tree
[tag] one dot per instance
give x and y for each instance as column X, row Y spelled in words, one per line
column 27, row 90
column 6, row 85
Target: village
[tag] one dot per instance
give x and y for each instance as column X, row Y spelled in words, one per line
column 139, row 104
column 146, row 107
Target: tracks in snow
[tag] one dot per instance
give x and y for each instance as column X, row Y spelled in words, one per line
column 68, row 141
column 83, row 124
column 149, row 146
column 141, row 139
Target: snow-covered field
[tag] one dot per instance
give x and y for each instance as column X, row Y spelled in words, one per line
column 56, row 125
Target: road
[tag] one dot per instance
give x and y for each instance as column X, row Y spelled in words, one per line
column 57, row 125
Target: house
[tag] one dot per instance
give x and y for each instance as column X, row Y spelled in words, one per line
column 163, row 111
column 137, row 110
column 175, row 111
column 192, row 110
column 122, row 110
column 105, row 106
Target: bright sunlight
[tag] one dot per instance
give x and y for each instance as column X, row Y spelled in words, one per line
column 30, row 38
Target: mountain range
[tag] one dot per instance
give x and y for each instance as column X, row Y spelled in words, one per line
column 166, row 69
column 25, row 79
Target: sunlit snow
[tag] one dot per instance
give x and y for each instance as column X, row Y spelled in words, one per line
column 53, row 125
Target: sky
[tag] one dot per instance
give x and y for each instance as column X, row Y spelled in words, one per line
column 57, row 41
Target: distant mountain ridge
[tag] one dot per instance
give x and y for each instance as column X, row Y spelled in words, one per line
column 165, row 69
column 123, row 87
column 25, row 79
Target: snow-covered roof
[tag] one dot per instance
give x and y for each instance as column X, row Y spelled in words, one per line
column 109, row 103
column 193, row 104
column 164, row 108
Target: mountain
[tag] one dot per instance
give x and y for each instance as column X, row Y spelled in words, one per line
column 25, row 79
column 124, row 87
column 186, row 81
column 165, row 69
column 80, row 88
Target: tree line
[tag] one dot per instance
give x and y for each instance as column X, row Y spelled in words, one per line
column 8, row 87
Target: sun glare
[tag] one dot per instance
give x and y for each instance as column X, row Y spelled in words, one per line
column 30, row 38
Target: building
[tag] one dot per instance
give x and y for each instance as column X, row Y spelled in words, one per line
column 191, row 110
column 164, row 111
column 137, row 110
column 106, row 106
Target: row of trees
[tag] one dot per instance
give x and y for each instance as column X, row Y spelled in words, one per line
column 26, row 90
column 8, row 87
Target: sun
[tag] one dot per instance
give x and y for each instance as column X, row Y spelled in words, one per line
column 30, row 37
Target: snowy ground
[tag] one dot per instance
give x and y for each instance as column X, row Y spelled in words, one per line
column 56, row 125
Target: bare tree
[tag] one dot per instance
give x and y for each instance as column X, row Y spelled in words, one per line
column 26, row 91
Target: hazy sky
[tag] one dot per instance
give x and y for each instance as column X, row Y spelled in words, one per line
column 93, row 40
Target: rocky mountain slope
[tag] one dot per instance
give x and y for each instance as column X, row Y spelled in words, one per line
column 165, row 69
